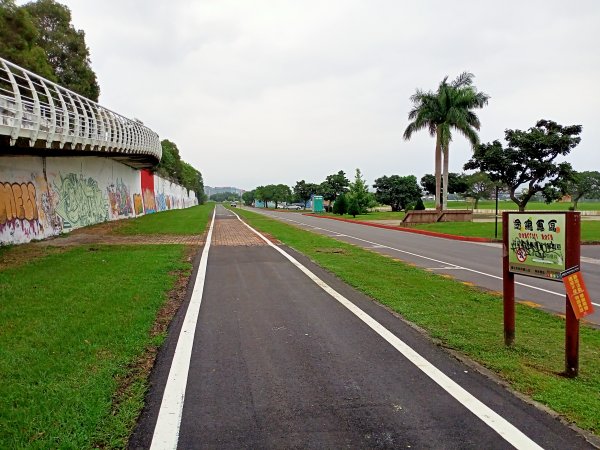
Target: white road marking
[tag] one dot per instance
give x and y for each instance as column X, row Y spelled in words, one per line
column 585, row 259
column 166, row 432
column 560, row 294
column 499, row 424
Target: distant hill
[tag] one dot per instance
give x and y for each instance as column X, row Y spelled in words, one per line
column 208, row 190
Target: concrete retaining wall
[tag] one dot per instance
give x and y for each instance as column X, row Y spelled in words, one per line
column 44, row 196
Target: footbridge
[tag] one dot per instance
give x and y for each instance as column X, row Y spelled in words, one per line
column 39, row 117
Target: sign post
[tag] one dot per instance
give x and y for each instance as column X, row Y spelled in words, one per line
column 508, row 285
column 545, row 245
column 572, row 322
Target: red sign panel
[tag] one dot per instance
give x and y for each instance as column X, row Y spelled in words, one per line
column 578, row 295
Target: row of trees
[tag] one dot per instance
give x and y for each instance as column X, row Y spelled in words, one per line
column 345, row 195
column 404, row 192
column 40, row 37
column 530, row 158
column 172, row 167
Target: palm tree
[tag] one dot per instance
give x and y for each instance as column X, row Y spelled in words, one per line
column 450, row 107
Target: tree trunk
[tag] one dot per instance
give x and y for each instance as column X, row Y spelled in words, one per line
column 438, row 169
column 445, row 182
column 519, row 203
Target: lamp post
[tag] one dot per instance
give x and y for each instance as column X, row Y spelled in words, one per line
column 496, row 231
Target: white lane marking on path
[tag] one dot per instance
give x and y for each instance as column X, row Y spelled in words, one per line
column 166, row 432
column 499, row 424
column 561, row 294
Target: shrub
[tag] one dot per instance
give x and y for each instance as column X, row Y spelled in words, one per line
column 340, row 205
column 353, row 207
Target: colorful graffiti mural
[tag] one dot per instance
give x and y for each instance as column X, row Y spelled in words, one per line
column 119, row 199
column 45, row 196
column 80, row 202
column 138, row 204
column 19, row 210
column 17, row 201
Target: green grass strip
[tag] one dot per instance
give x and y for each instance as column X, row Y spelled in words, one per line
column 590, row 229
column 71, row 324
column 465, row 319
column 187, row 221
column 509, row 205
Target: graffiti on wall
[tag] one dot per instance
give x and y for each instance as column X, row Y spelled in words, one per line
column 45, row 196
column 147, row 182
column 138, row 204
column 119, row 199
column 80, row 201
column 17, row 201
column 18, row 209
column 161, row 203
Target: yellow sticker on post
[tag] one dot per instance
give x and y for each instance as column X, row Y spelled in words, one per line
column 579, row 296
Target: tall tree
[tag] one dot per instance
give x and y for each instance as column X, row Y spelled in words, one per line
column 248, row 197
column 529, row 158
column 281, row 193
column 359, row 191
column 450, row 107
column 334, row 185
column 397, row 191
column 19, row 40
column 264, row 194
column 583, row 184
column 303, row 191
column 457, row 183
column 170, row 162
column 479, row 186
column 65, row 47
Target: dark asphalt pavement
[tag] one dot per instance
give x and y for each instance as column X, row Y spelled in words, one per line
column 472, row 262
column 279, row 363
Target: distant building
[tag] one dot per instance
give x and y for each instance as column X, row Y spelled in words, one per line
column 208, row 190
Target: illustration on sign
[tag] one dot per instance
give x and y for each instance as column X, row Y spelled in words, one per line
column 536, row 244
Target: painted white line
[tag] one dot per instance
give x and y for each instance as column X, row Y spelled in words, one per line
column 562, row 294
column 499, row 424
column 166, row 432
column 377, row 245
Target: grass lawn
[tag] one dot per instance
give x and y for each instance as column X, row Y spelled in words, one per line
column 177, row 221
column 75, row 333
column 512, row 206
column 70, row 326
column 465, row 319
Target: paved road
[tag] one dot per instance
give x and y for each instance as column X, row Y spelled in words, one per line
column 277, row 362
column 476, row 263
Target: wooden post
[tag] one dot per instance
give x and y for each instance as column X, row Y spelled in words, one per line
column 572, row 259
column 508, row 281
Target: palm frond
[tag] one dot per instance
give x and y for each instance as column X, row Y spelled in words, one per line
column 464, row 79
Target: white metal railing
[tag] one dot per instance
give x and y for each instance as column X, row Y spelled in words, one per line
column 34, row 108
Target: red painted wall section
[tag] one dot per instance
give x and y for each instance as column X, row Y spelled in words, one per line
column 147, row 181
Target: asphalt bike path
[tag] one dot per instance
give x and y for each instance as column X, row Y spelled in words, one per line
column 285, row 355
column 477, row 263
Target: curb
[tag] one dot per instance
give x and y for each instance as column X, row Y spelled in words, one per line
column 409, row 230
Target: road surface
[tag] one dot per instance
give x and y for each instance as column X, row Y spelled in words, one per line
column 284, row 355
column 478, row 263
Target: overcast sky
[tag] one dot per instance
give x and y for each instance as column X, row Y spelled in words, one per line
column 264, row 92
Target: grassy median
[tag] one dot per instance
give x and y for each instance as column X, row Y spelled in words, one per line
column 465, row 319
column 78, row 327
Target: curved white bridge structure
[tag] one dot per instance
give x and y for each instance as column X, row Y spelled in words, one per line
column 41, row 116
